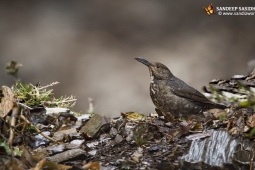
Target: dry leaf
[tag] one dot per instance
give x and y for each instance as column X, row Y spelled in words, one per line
column 217, row 112
column 92, row 166
column 39, row 165
column 251, row 121
column 133, row 116
column 7, row 101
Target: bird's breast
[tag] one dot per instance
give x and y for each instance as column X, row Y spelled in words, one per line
column 152, row 79
column 154, row 89
column 156, row 95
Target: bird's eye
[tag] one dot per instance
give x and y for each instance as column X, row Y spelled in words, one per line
column 157, row 66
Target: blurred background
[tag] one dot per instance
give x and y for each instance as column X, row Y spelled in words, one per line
column 90, row 46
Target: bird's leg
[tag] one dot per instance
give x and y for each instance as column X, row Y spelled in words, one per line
column 159, row 112
column 167, row 115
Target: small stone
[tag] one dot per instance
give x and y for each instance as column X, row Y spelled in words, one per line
column 92, row 144
column 158, row 122
column 155, row 148
column 153, row 115
column 113, row 131
column 238, row 77
column 92, row 153
column 55, row 149
column 162, row 117
column 168, row 124
column 40, row 140
column 118, row 138
column 75, row 144
column 130, row 137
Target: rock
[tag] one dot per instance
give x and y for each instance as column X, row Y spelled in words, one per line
column 55, row 149
column 155, row 148
column 40, row 140
column 93, row 152
column 169, row 124
column 75, row 144
column 113, row 131
column 96, row 125
column 118, row 138
column 215, row 152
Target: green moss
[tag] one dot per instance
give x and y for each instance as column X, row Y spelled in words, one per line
column 252, row 132
column 223, row 117
column 140, row 141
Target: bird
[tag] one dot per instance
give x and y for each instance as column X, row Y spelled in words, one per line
column 172, row 96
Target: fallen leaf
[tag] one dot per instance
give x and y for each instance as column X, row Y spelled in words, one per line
column 133, row 116
column 251, row 121
column 7, row 101
column 92, row 166
column 39, row 165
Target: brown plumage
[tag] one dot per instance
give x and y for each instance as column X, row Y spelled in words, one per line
column 173, row 96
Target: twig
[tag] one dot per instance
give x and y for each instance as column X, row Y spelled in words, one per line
column 37, row 130
column 24, row 105
column 15, row 112
column 63, row 101
column 251, row 161
column 52, row 84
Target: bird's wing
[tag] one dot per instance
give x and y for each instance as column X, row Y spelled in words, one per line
column 181, row 89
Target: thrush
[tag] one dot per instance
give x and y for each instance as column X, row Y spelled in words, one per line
column 172, row 96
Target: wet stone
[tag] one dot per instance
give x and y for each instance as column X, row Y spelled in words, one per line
column 215, row 152
column 40, row 140
column 96, row 125
column 155, row 148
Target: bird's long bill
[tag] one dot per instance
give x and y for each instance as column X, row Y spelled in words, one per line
column 145, row 62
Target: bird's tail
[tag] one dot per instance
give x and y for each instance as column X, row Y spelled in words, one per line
column 219, row 106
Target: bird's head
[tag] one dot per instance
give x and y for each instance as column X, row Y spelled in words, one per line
column 157, row 70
